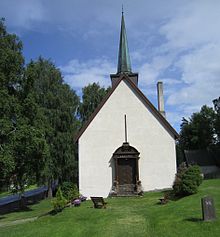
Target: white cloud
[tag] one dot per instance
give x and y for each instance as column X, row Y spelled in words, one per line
column 170, row 81
column 192, row 35
column 22, row 14
column 194, row 24
column 150, row 72
column 201, row 65
column 79, row 74
column 138, row 56
column 201, row 75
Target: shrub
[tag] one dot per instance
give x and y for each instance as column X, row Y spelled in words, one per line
column 70, row 191
column 177, row 185
column 59, row 202
column 187, row 180
column 191, row 180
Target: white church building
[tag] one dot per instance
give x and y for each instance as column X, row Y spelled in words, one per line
column 126, row 140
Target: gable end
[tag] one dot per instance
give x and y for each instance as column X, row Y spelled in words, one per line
column 144, row 99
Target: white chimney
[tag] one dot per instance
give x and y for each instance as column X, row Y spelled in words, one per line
column 160, row 98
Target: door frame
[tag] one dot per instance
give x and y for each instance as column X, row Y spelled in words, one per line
column 126, row 152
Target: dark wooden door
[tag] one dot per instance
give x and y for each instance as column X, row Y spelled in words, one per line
column 126, row 171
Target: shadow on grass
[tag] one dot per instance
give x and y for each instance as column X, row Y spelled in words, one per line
column 49, row 213
column 24, row 208
column 20, row 207
column 16, row 210
column 171, row 196
column 193, row 219
column 2, row 217
column 168, row 195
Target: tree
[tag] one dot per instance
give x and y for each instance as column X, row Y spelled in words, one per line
column 59, row 202
column 38, row 119
column 11, row 75
column 30, row 152
column 199, row 131
column 216, row 103
column 93, row 94
column 55, row 115
column 22, row 145
column 11, row 61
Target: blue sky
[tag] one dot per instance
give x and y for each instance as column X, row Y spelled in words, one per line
column 177, row 42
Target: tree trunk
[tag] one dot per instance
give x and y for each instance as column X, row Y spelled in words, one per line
column 50, row 191
column 22, row 202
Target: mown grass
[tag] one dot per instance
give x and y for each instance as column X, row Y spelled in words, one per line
column 123, row 217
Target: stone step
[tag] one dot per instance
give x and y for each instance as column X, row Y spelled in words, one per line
column 128, row 195
column 126, row 190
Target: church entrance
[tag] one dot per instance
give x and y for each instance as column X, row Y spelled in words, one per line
column 126, row 169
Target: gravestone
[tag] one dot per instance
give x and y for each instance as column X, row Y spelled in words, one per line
column 208, row 209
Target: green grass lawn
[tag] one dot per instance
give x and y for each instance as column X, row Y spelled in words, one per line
column 123, row 217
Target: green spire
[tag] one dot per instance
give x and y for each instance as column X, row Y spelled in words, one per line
column 124, row 64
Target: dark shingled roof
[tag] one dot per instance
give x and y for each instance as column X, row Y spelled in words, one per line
column 144, row 99
column 200, row 157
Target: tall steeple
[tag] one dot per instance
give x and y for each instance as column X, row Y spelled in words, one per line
column 124, row 63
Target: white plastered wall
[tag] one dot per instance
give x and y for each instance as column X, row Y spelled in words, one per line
column 157, row 163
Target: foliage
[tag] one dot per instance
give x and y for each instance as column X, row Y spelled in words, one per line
column 177, row 185
column 199, row 131
column 55, row 115
column 191, row 180
column 38, row 119
column 180, row 158
column 216, row 103
column 59, row 202
column 30, row 152
column 70, row 190
column 93, row 94
column 187, row 180
column 11, row 74
column 11, row 61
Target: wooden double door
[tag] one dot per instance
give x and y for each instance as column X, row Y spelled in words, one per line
column 127, row 168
